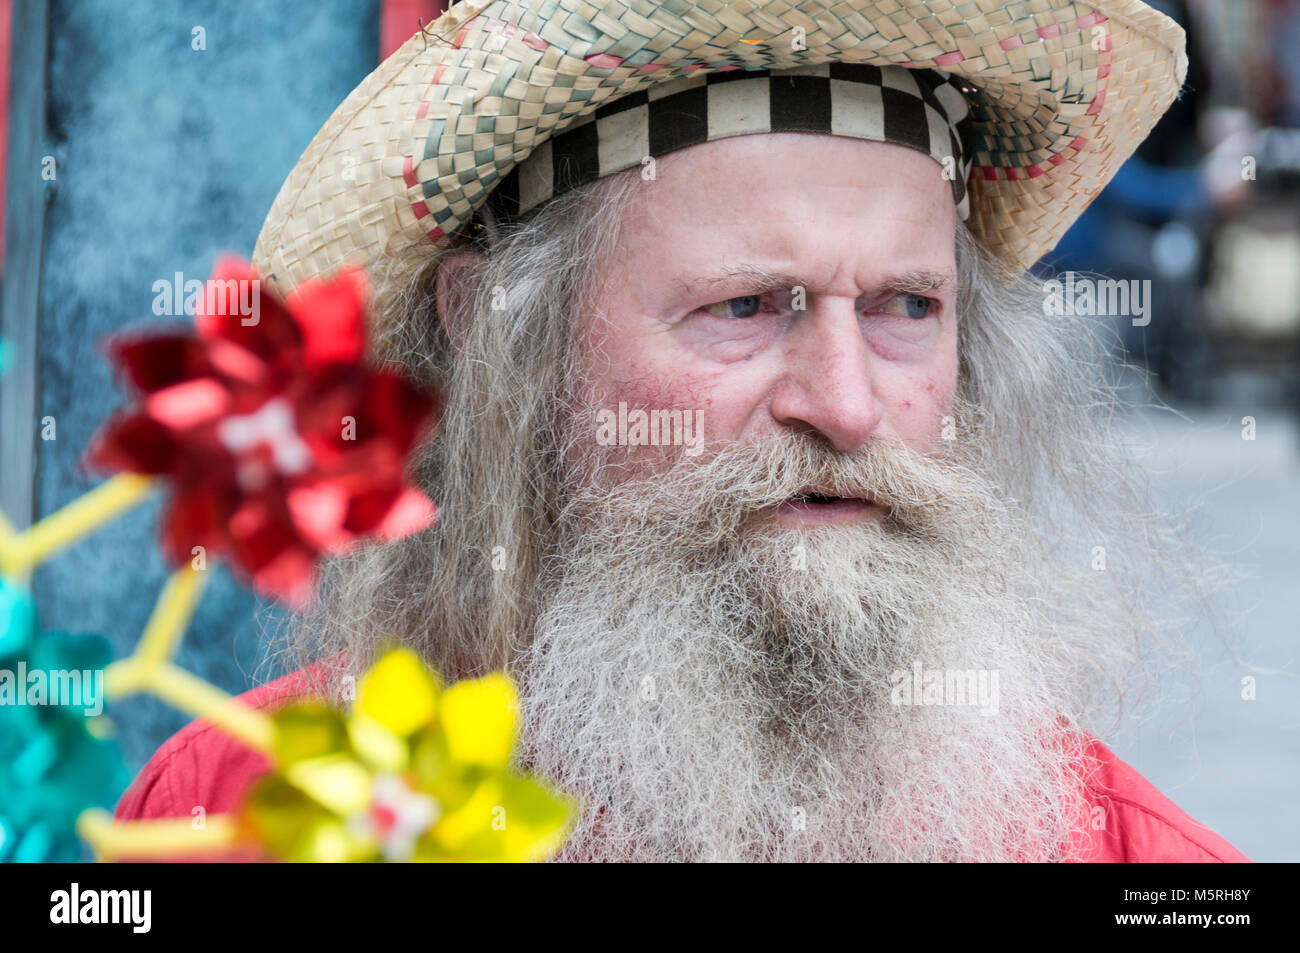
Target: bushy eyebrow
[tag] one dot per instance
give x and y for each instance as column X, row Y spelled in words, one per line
column 920, row 282
column 750, row 279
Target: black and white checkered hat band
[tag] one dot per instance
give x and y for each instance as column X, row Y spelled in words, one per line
column 920, row 108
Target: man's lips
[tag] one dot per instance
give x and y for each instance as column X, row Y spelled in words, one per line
column 825, row 496
column 822, row 505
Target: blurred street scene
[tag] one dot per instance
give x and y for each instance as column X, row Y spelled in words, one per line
column 1208, row 211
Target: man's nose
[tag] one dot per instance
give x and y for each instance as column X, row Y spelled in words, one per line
column 827, row 385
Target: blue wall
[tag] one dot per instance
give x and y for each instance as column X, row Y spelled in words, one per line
column 167, row 156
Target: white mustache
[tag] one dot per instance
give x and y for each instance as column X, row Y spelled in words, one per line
column 710, row 498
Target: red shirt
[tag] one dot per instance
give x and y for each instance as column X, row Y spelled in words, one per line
column 201, row 766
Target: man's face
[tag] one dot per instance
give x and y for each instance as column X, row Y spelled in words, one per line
column 785, row 282
column 716, row 654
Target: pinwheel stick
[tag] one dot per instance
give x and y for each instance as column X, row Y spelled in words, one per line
column 171, row 616
column 171, row 837
column 191, row 693
column 150, row 668
column 9, row 562
column 20, row 552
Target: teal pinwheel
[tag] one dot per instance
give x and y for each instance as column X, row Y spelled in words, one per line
column 56, row 755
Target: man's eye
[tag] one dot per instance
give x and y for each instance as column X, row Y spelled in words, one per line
column 746, row 306
column 910, row 306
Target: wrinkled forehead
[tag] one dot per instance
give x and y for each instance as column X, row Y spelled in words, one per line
column 836, row 213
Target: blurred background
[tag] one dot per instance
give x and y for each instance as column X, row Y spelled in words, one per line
column 144, row 139
column 1208, row 212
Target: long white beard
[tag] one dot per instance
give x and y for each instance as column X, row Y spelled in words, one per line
column 715, row 687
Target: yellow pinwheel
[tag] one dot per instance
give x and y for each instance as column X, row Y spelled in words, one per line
column 416, row 771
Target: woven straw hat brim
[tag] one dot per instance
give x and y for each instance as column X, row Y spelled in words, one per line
column 1062, row 93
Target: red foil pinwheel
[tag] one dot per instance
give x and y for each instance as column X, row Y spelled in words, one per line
column 279, row 440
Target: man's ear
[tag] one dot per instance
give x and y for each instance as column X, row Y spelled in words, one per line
column 455, row 287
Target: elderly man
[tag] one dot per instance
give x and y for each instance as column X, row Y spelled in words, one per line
column 795, row 515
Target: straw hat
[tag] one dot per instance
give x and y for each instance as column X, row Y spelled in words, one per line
column 1060, row 94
